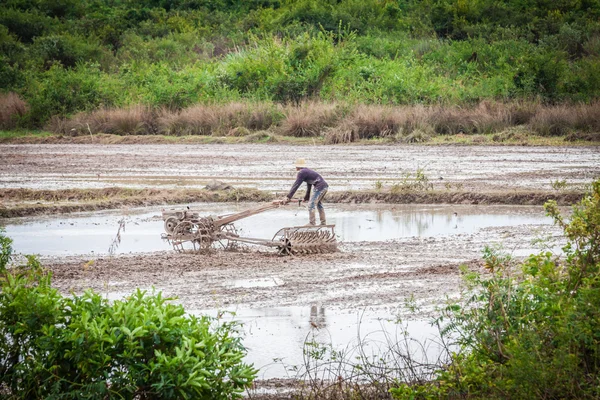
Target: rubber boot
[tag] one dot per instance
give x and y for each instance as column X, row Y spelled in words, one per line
column 311, row 217
column 322, row 217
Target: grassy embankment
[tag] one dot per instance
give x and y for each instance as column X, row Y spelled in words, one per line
column 335, row 71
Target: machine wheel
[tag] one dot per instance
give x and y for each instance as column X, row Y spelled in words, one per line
column 183, row 232
column 170, row 224
column 204, row 237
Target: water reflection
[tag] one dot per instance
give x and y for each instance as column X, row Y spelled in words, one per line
column 317, row 317
column 86, row 233
column 276, row 337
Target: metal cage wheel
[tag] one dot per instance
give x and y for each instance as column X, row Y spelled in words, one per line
column 285, row 248
column 228, row 244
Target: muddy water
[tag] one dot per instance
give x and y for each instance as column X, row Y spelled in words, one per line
column 93, row 233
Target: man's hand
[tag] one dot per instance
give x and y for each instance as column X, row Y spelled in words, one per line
column 281, row 201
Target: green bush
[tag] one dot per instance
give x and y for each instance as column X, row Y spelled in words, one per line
column 180, row 53
column 82, row 346
column 66, row 50
column 5, row 250
column 62, row 92
column 26, row 25
column 533, row 333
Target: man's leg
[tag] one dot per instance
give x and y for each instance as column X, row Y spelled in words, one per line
column 312, row 204
column 320, row 207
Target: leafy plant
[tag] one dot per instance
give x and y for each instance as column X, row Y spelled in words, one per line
column 559, row 184
column 420, row 182
column 529, row 332
column 5, row 250
column 82, row 346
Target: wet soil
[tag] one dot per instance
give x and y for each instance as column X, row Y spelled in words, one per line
column 47, row 179
column 270, row 167
column 359, row 275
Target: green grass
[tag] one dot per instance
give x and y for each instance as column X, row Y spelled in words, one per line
column 14, row 134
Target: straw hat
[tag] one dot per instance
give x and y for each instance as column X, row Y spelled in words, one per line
column 300, row 163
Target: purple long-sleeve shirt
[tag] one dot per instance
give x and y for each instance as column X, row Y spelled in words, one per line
column 311, row 178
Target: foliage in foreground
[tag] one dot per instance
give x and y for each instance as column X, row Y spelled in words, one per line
column 533, row 333
column 83, row 347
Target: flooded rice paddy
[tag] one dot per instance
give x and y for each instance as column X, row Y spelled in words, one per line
column 93, row 233
column 349, row 300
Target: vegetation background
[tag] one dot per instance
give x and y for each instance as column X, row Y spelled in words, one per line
column 61, row 57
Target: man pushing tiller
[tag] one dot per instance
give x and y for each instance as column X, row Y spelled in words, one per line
column 312, row 178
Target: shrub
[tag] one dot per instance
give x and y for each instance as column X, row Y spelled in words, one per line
column 62, row 92
column 5, row 251
column 26, row 25
column 530, row 332
column 82, row 346
column 12, row 108
column 66, row 50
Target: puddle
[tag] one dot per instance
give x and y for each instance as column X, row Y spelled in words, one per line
column 275, row 337
column 85, row 233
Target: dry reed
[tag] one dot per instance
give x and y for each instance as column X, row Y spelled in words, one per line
column 564, row 119
column 310, row 119
column 12, row 107
column 336, row 123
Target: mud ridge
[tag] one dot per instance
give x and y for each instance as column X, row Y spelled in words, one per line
column 19, row 202
column 14, row 202
column 437, row 197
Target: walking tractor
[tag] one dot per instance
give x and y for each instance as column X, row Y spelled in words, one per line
column 187, row 230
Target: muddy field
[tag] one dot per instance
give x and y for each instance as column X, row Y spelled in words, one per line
column 281, row 299
column 269, row 167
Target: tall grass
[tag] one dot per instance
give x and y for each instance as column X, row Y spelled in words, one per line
column 12, row 107
column 218, row 119
column 310, row 118
column 563, row 119
column 135, row 120
column 337, row 122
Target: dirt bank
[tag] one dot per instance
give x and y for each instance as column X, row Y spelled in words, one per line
column 507, row 139
column 28, row 202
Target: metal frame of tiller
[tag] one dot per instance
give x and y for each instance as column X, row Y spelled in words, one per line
column 201, row 232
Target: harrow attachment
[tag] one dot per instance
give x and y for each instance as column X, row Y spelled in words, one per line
column 187, row 231
column 306, row 240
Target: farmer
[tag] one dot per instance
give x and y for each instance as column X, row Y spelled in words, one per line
column 312, row 178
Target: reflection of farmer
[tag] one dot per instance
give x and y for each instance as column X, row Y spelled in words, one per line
column 312, row 178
